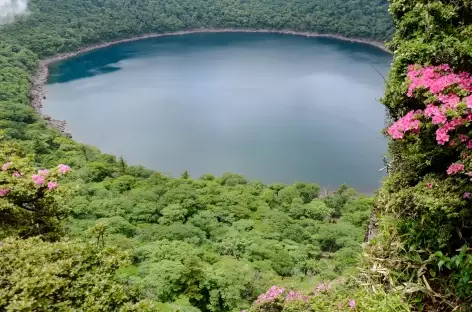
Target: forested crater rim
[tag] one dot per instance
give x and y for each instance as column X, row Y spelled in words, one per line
column 38, row 93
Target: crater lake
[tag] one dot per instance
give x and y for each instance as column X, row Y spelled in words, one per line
column 272, row 107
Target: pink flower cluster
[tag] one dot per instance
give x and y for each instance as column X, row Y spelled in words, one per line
column 455, row 168
column 63, row 169
column 273, row 293
column 436, row 79
column 6, row 165
column 296, row 296
column 40, row 178
column 440, row 81
column 321, row 288
column 52, row 185
column 404, row 124
column 276, row 292
column 4, row 192
column 450, row 109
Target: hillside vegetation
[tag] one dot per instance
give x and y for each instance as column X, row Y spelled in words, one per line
column 424, row 207
column 61, row 26
column 118, row 237
column 83, row 231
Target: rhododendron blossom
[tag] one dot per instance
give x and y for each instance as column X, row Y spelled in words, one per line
column 455, row 168
column 43, row 172
column 273, row 293
column 448, row 110
column 436, row 79
column 468, row 101
column 404, row 124
column 4, row 192
column 441, row 136
column 38, row 179
column 6, row 165
column 467, row 195
column 321, row 287
column 296, row 296
column 52, row 185
column 16, row 174
column 63, row 168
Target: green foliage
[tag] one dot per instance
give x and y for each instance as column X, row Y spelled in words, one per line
column 28, row 209
column 62, row 276
column 460, row 267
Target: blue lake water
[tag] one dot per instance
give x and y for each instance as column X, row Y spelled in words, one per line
column 275, row 108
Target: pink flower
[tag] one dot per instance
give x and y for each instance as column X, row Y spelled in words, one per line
column 292, row 296
column 38, row 179
column 468, row 101
column 63, row 169
column 455, row 168
column 434, row 79
column 404, row 124
column 439, row 119
column 429, row 185
column 467, row 195
column 6, row 165
column 450, row 101
column 52, row 185
column 43, row 172
column 4, row 192
column 322, row 287
column 431, row 110
column 16, row 174
column 352, row 303
column 441, row 136
column 273, row 293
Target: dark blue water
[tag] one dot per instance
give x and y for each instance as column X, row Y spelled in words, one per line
column 276, row 108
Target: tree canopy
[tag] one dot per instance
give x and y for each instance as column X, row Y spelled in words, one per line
column 54, row 27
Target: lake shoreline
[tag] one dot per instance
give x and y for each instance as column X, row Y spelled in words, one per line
column 38, row 92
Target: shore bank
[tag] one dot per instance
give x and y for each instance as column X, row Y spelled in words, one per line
column 38, row 93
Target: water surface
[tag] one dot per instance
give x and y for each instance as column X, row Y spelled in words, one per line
column 276, row 108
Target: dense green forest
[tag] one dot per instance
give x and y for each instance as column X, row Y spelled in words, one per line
column 119, row 237
column 60, row 26
column 83, row 231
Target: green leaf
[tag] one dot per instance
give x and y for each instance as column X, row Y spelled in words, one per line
column 441, row 263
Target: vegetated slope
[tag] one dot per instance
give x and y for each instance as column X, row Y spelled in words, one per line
column 61, row 26
column 424, row 207
column 212, row 244
column 215, row 243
